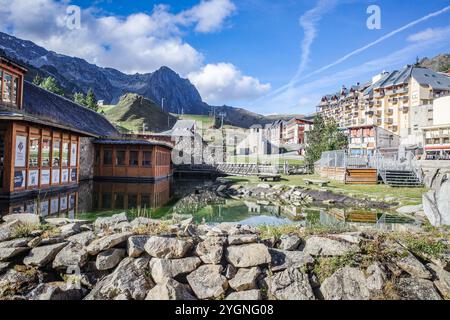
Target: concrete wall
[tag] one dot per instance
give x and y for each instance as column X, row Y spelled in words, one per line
column 420, row 116
column 441, row 108
column 87, row 154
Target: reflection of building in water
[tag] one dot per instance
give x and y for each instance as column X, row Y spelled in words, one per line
column 253, row 207
column 131, row 196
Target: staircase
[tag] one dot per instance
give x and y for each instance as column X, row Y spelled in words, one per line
column 401, row 178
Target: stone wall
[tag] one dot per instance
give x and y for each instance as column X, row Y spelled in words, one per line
column 87, row 153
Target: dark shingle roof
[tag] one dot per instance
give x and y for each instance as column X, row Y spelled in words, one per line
column 132, row 142
column 55, row 109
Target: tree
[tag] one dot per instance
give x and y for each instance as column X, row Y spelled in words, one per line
column 91, row 100
column 79, row 98
column 50, row 84
column 37, row 80
column 325, row 136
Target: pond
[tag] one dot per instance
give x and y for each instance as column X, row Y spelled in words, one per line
column 159, row 200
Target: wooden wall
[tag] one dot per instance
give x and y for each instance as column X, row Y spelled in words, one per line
column 362, row 176
column 336, row 174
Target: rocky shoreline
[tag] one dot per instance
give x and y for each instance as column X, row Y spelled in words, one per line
column 143, row 259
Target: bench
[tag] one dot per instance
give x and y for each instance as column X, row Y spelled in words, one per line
column 321, row 183
column 267, row 177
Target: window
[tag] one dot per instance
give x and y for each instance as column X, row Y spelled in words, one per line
column 7, row 83
column 33, row 159
column 14, row 91
column 147, row 159
column 121, row 158
column 56, row 159
column 46, row 152
column 107, row 157
column 65, row 154
column 134, row 158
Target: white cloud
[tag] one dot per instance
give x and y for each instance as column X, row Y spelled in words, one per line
column 210, row 15
column 430, row 34
column 224, row 82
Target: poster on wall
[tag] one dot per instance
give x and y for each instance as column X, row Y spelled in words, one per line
column 65, row 176
column 45, row 177
column 33, row 178
column 44, row 208
column 21, row 151
column 55, row 176
column 19, row 179
column 73, row 154
column 73, row 175
column 54, row 205
column 63, row 203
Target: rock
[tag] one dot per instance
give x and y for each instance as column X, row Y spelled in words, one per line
column 107, row 242
column 41, row 256
column 170, row 289
column 210, row 251
column 22, row 242
column 290, row 284
column 18, row 281
column 24, row 218
column 58, row 222
column 8, row 253
column 4, row 266
column 242, row 239
column 230, row 272
column 110, row 222
column 135, row 246
column 248, row 255
column 414, row 267
column 264, row 186
column 163, row 269
column 129, row 281
column 70, row 229
column 320, row 246
column 350, row 237
column 35, row 242
column 108, row 259
column 442, row 281
column 7, row 230
column 245, row 279
column 207, row 282
column 55, row 291
column 72, row 255
column 436, row 205
column 282, row 260
column 289, row 242
column 416, row 289
column 376, row 277
column 142, row 222
column 221, row 188
column 84, row 238
column 346, row 284
column 410, row 209
column 167, row 248
column 250, row 295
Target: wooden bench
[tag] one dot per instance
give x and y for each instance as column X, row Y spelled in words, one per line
column 321, row 183
column 267, row 177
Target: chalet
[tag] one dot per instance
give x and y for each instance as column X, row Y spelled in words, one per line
column 47, row 142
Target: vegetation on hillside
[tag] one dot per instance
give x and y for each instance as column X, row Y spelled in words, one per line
column 49, row 84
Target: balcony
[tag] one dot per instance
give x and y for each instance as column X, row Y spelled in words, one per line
column 404, row 109
column 370, row 113
column 389, row 121
column 378, row 95
column 390, row 112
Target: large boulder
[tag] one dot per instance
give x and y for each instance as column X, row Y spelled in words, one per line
column 289, row 242
column 163, row 269
column 290, row 284
column 72, row 255
column 7, row 230
column 15, row 243
column 417, row 289
column 321, row 246
column 410, row 209
column 135, row 245
column 18, row 281
column 376, row 277
column 235, row 240
column 24, row 218
column 249, row 255
column 110, row 222
column 55, row 291
column 107, row 242
column 41, row 256
column 129, row 281
column 436, row 204
column 245, row 279
column 167, row 248
column 346, row 284
column 414, row 267
column 109, row 259
column 207, row 282
column 282, row 260
column 170, row 289
column 9, row 253
column 210, row 251
column 442, row 281
column 84, row 238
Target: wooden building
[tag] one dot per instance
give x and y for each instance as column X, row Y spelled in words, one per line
column 132, row 160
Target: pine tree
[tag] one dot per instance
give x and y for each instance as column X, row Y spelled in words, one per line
column 50, row 84
column 37, row 80
column 91, row 100
column 79, row 98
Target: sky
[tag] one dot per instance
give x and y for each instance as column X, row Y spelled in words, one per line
column 271, row 57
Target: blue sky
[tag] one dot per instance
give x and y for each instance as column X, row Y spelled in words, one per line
column 242, row 52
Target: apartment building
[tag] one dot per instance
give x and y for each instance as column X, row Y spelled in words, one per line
column 437, row 136
column 274, row 132
column 398, row 102
column 365, row 140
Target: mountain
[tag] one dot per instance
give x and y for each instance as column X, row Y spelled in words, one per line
column 75, row 74
column 440, row 63
column 134, row 110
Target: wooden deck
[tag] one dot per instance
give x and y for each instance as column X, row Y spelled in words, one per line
column 361, row 176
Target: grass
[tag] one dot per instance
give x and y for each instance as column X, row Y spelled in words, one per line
column 205, row 122
column 325, row 267
column 380, row 192
column 423, row 245
column 276, row 160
